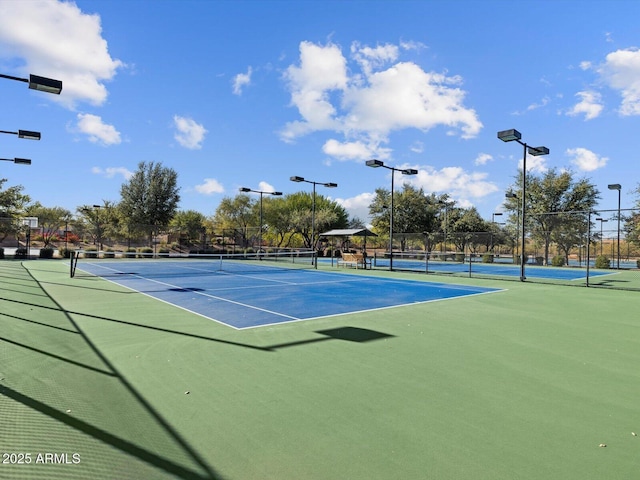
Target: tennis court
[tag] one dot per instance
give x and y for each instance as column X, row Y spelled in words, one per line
column 538, row 381
column 244, row 293
column 491, row 269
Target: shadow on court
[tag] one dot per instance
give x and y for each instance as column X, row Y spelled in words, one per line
column 74, row 398
column 59, row 393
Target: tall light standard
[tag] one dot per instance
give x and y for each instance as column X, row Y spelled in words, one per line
column 244, row 189
column 601, row 220
column 405, row 171
column 313, row 210
column 510, row 136
column 493, row 221
column 36, row 82
column 513, row 195
column 618, row 187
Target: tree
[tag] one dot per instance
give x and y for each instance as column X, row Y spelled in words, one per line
column 414, row 212
column 465, row 225
column 548, row 195
column 328, row 215
column 98, row 221
column 189, row 224
column 13, row 204
column 236, row 215
column 632, row 221
column 50, row 220
column 150, row 198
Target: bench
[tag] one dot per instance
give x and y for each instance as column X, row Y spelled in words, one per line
column 355, row 260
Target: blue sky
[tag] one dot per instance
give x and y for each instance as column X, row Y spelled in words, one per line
column 248, row 93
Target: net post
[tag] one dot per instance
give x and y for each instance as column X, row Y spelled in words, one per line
column 72, row 256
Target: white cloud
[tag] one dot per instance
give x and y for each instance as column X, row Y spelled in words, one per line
column 586, row 160
column 97, row 130
column 189, row 134
column 590, row 105
column 366, row 107
column 542, row 103
column 354, row 150
column 56, row 39
column 265, row 187
column 536, row 164
column 241, row 80
column 621, row 71
column 417, row 147
column 483, row 158
column 321, row 70
column 357, row 206
column 111, row 172
column 455, row 181
column 370, row 58
column 209, row 187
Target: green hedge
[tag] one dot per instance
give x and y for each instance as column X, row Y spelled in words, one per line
column 602, row 261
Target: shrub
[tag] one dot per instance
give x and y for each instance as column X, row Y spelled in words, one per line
column 487, row 258
column 638, row 263
column 539, row 260
column 109, row 253
column 602, row 261
column 145, row 252
column 91, row 252
column 558, row 261
column 21, row 252
column 130, row 253
column 46, row 252
column 1, row 252
column 459, row 257
column 64, row 252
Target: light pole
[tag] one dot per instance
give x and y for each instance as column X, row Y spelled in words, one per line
column 313, row 210
column 510, row 136
column 618, row 187
column 493, row 221
column 17, row 161
column 244, row 189
column 513, row 195
column 405, row 171
column 36, row 82
column 601, row 220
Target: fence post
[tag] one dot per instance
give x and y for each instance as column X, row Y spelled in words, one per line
column 589, row 243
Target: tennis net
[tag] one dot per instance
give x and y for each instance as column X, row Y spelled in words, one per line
column 107, row 264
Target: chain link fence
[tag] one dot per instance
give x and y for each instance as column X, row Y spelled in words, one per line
column 568, row 248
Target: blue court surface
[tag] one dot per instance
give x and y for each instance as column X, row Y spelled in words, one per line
column 267, row 295
column 495, row 269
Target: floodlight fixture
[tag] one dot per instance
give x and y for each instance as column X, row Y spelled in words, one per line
column 375, row 163
column 509, row 135
column 537, row 151
column 18, row 161
column 614, row 186
column 37, row 82
column 26, row 134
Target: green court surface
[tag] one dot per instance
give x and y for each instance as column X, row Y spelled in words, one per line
column 98, row 381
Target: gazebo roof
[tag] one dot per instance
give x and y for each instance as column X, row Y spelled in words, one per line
column 349, row 232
